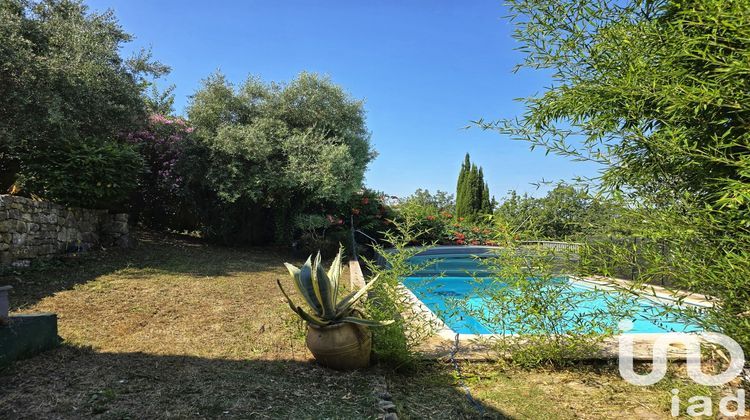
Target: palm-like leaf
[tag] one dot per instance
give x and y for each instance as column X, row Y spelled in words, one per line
column 346, row 304
column 323, row 289
column 288, row 299
column 312, row 319
column 367, row 322
column 334, row 273
column 304, row 284
column 320, row 290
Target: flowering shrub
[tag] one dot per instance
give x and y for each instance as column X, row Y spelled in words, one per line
column 444, row 228
column 469, row 233
column 158, row 202
column 372, row 216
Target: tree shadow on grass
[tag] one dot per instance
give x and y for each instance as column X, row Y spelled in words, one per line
column 72, row 382
column 155, row 254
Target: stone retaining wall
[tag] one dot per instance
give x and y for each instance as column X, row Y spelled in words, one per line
column 31, row 229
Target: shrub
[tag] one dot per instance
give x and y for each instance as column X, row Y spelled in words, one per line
column 395, row 345
column 371, row 214
column 66, row 95
column 368, row 211
column 444, row 228
column 83, row 173
column 161, row 199
column 314, row 232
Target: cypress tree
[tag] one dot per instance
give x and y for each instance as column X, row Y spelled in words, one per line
column 475, row 191
column 479, row 192
column 472, row 193
column 462, row 199
column 486, row 201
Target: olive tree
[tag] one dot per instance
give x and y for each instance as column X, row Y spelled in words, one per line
column 267, row 152
column 66, row 97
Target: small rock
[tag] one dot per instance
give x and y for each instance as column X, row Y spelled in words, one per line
column 385, row 395
column 386, row 406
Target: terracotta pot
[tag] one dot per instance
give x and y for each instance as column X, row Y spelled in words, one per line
column 342, row 346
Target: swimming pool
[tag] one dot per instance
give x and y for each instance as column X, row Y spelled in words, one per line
column 459, row 298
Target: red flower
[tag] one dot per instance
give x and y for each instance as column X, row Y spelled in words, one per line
column 460, row 219
column 430, row 217
column 447, row 215
column 460, row 241
column 475, row 242
column 475, row 229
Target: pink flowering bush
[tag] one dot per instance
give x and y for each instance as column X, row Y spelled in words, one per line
column 159, row 201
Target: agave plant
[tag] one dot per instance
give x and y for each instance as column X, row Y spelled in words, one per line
column 320, row 291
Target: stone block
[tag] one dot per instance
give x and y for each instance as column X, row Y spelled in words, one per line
column 119, row 227
column 90, row 237
column 21, row 263
column 120, row 217
column 125, row 241
column 27, row 335
column 7, row 225
column 18, row 239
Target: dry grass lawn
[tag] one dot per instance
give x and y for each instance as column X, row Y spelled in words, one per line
column 179, row 329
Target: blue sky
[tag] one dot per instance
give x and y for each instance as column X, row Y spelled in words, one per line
column 425, row 68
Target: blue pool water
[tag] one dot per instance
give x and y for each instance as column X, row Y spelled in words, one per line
column 456, row 300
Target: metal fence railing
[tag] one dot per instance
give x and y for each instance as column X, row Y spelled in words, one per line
column 556, row 245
